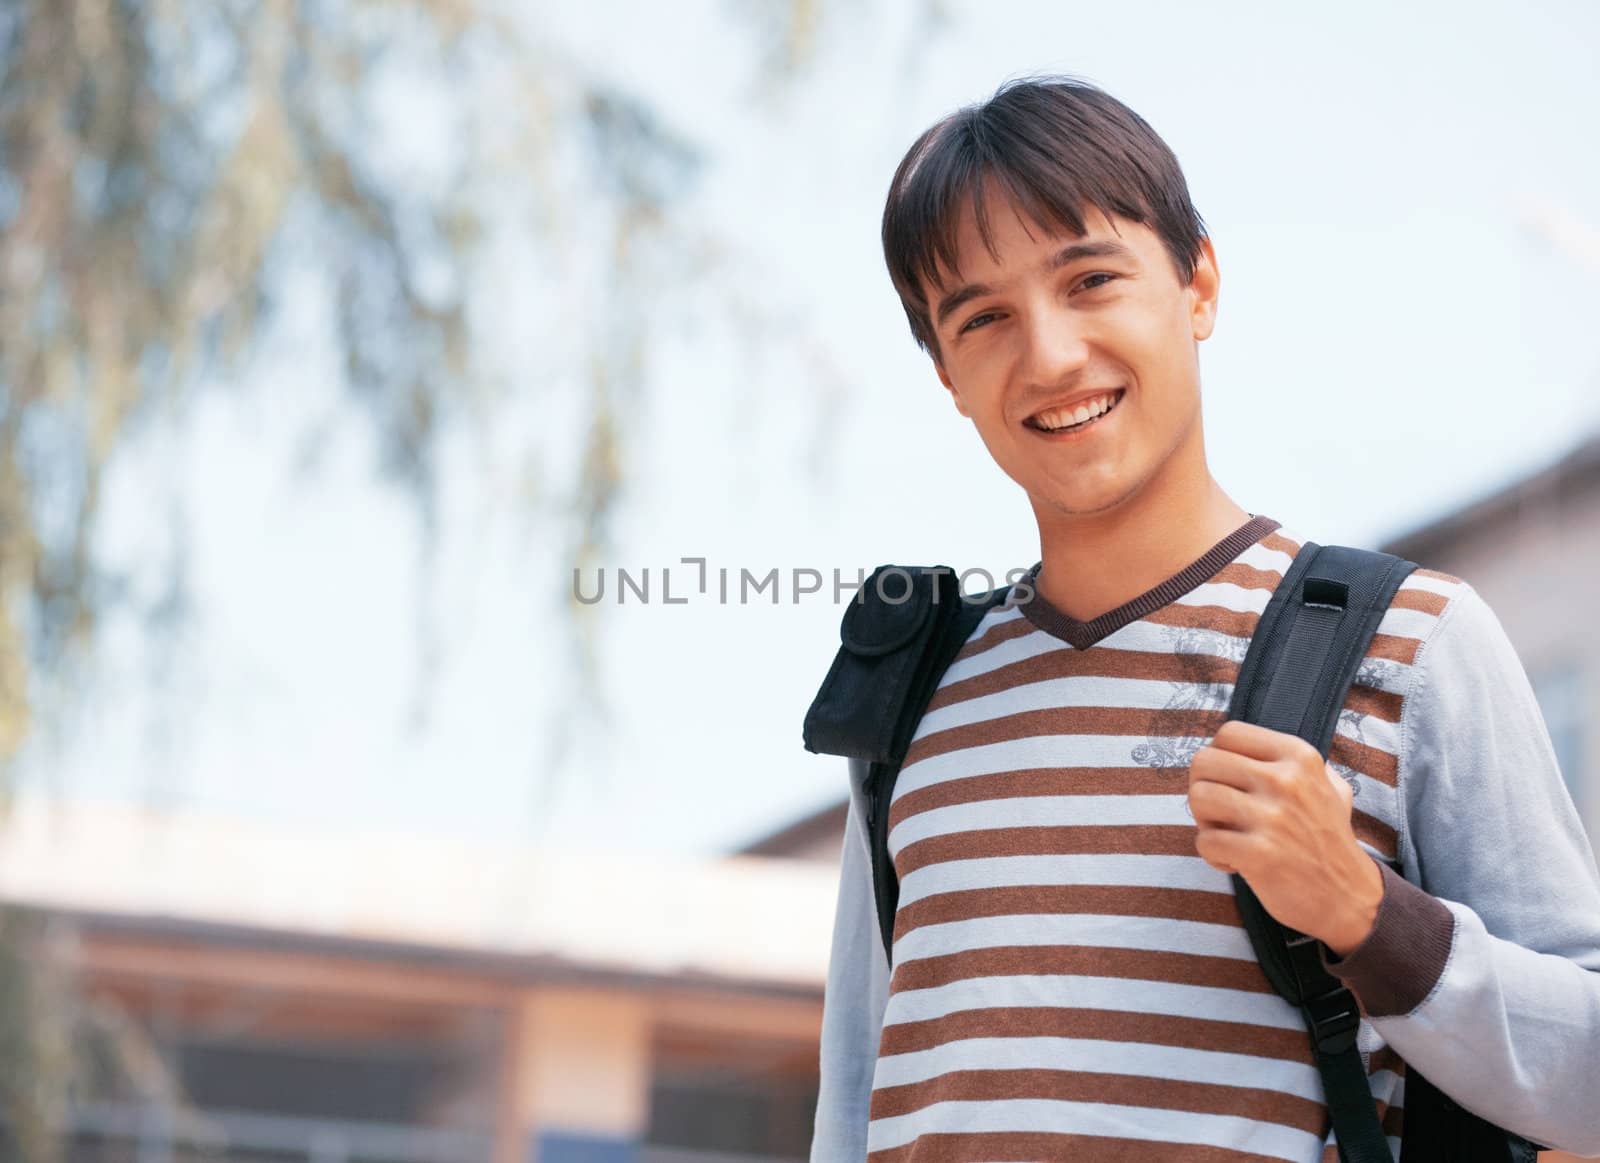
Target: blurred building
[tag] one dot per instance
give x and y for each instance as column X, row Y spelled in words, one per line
column 317, row 998
column 816, row 837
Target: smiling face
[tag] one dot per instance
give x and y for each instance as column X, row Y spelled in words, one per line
column 1048, row 328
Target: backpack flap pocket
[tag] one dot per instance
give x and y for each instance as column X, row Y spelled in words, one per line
column 885, row 634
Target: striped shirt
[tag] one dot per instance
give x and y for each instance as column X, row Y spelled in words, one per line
column 1070, row 979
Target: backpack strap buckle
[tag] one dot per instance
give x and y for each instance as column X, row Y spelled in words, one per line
column 1334, row 1019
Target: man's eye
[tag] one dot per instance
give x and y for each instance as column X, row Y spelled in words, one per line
column 977, row 321
column 1088, row 283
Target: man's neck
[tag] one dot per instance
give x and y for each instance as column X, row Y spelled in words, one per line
column 1092, row 565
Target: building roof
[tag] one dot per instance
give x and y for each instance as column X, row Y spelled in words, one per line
column 804, row 836
column 1576, row 472
column 732, row 919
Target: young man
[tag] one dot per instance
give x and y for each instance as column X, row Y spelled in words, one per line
column 1070, row 979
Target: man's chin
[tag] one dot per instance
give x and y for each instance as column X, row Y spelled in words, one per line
column 1080, row 502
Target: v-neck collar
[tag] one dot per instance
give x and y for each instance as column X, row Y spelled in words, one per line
column 1082, row 635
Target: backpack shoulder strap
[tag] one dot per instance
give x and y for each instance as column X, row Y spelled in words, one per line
column 1302, row 659
column 1312, row 638
column 897, row 637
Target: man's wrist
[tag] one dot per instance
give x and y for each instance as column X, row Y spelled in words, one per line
column 1404, row 956
column 1357, row 912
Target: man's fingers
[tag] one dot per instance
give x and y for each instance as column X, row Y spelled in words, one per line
column 1257, row 742
column 1220, row 848
column 1219, row 804
column 1226, row 767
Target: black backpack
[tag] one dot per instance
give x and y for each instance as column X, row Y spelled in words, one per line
column 907, row 624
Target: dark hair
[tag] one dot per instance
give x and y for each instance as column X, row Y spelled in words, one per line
column 1055, row 145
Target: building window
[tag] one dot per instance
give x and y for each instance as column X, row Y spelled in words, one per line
column 1562, row 694
column 739, row 1099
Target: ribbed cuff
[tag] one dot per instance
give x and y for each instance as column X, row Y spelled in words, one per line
column 1404, row 956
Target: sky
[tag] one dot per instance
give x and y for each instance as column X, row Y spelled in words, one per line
column 1396, row 336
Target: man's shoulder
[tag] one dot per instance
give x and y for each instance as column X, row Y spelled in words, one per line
column 1418, row 606
column 1290, row 539
column 1426, row 604
column 1432, row 592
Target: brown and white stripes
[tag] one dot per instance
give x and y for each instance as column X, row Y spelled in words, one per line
column 1070, row 980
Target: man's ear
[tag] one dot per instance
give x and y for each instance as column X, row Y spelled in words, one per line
column 1203, row 289
column 955, row 394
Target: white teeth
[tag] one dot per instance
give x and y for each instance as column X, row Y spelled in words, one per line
column 1061, row 418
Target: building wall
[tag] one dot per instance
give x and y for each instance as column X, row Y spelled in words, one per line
column 396, row 1058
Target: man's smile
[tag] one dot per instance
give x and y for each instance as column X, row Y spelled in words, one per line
column 1075, row 417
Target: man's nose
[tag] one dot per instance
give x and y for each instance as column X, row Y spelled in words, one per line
column 1056, row 349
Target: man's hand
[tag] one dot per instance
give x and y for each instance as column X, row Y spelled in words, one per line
column 1269, row 808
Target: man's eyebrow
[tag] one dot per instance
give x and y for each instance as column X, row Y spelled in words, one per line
column 957, row 297
column 1066, row 256
column 1071, row 253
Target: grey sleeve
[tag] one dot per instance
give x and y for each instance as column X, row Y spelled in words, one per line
column 1483, row 968
column 852, row 1006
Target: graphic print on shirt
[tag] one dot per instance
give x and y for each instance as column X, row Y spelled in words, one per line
column 1166, row 745
column 1070, row 980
